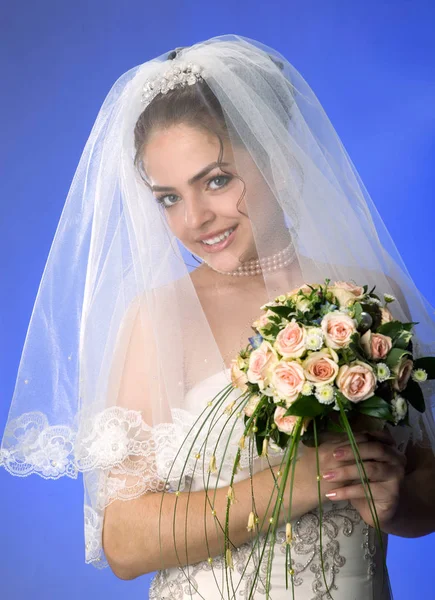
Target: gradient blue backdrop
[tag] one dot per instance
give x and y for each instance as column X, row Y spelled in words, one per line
column 370, row 62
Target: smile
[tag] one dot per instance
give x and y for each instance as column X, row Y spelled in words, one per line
column 218, row 238
column 219, row 242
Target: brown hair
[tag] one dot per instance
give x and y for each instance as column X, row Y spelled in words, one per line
column 193, row 105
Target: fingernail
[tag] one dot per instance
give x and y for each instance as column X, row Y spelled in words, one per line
column 338, row 453
column 329, row 475
column 331, row 494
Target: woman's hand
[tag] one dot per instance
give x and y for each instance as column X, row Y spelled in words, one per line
column 385, row 469
column 306, row 468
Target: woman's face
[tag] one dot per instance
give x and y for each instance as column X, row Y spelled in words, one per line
column 200, row 200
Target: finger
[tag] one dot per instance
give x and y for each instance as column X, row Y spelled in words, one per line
column 357, row 491
column 332, row 440
column 373, row 471
column 371, row 451
column 343, row 439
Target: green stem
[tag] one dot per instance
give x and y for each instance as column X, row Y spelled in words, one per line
column 364, row 480
column 316, row 443
column 275, row 516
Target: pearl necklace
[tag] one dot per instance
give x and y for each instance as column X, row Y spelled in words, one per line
column 268, row 264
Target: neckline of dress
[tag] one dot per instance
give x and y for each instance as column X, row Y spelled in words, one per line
column 221, row 373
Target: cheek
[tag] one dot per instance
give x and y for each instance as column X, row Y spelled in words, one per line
column 175, row 220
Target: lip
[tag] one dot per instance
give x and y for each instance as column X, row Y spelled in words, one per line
column 213, row 234
column 221, row 245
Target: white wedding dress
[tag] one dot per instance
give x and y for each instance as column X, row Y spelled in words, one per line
column 351, row 553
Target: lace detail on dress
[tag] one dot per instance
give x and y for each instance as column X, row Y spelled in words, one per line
column 177, row 584
column 306, row 534
column 369, row 548
column 340, row 519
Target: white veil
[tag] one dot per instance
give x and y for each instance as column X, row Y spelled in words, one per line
column 118, row 335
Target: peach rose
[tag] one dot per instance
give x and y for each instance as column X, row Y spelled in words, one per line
column 376, row 345
column 294, row 294
column 286, row 424
column 403, row 373
column 261, row 362
column 290, row 341
column 287, row 380
column 386, row 316
column 356, row 382
column 263, row 320
column 337, row 329
column 320, row 368
column 303, row 288
column 346, row 292
column 238, row 377
column 251, row 405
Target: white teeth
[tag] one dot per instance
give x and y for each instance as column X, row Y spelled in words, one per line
column 218, row 238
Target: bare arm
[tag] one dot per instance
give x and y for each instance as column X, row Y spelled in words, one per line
column 131, row 529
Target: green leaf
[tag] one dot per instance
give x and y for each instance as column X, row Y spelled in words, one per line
column 358, row 309
column 355, row 346
column 428, row 364
column 402, row 340
column 259, row 443
column 376, row 407
column 306, row 406
column 335, row 427
column 343, row 400
column 283, row 439
column 282, row 311
column 261, row 423
column 395, row 356
column 391, row 329
column 414, row 395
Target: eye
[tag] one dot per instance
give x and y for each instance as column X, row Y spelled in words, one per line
column 226, row 179
column 162, row 200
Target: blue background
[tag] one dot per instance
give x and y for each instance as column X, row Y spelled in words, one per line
column 370, row 62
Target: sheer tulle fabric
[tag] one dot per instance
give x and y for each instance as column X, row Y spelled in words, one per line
column 119, row 336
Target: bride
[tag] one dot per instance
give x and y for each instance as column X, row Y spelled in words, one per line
column 211, row 183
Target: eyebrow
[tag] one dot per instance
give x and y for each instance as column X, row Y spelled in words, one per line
column 192, row 180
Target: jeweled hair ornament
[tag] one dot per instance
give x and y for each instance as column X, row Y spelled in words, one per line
column 179, row 74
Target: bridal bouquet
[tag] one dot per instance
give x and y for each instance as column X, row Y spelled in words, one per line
column 320, row 357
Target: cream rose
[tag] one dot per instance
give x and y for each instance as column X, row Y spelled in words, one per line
column 263, row 321
column 386, row 316
column 238, row 377
column 261, row 362
column 303, row 305
column 287, row 380
column 303, row 288
column 290, row 341
column 294, row 294
column 337, row 329
column 357, row 381
column 346, row 292
column 251, row 405
column 320, row 368
column 376, row 345
column 403, row 373
column 287, row 424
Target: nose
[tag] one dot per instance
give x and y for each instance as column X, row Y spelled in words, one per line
column 197, row 211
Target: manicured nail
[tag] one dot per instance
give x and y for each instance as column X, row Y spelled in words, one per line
column 329, row 475
column 338, row 453
column 331, row 495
